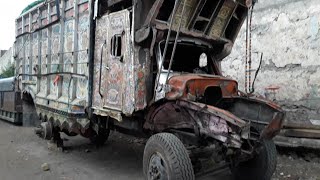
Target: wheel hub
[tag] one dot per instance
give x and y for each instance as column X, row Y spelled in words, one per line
column 45, row 130
column 157, row 168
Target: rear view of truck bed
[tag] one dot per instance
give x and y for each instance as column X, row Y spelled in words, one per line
column 10, row 101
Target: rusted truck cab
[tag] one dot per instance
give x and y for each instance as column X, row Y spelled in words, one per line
column 149, row 68
column 179, row 91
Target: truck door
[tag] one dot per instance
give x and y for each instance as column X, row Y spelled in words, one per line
column 112, row 59
column 117, row 45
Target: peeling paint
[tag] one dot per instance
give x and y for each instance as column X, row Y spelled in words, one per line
column 287, row 32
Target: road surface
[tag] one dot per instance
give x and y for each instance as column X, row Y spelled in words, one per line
column 22, row 153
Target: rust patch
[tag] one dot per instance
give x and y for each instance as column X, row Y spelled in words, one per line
column 274, row 127
column 203, row 120
column 196, row 85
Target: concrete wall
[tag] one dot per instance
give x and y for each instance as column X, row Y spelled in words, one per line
column 6, row 59
column 288, row 33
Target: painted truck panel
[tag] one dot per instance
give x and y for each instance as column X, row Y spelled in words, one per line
column 113, row 88
column 52, row 56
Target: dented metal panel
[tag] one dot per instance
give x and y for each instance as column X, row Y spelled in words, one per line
column 113, row 78
column 204, row 120
column 192, row 86
column 116, row 58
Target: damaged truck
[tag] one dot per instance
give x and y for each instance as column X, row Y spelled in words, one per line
column 151, row 69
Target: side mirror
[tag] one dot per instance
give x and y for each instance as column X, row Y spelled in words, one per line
column 203, row 60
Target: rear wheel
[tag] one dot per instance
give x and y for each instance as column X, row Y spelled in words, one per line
column 99, row 139
column 166, row 158
column 262, row 166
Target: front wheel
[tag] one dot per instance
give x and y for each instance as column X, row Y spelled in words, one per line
column 262, row 166
column 166, row 158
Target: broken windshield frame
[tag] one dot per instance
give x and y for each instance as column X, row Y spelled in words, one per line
column 186, row 58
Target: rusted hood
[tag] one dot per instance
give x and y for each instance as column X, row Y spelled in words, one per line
column 190, row 86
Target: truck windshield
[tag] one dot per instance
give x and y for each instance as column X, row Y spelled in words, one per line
column 187, row 58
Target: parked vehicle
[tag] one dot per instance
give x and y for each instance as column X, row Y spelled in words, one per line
column 10, row 101
column 149, row 68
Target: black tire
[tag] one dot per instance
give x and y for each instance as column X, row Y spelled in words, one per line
column 100, row 138
column 261, row 167
column 174, row 162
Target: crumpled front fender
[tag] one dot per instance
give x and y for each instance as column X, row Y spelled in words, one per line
column 218, row 123
column 264, row 115
column 206, row 121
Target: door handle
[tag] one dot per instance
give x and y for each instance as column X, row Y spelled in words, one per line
column 101, row 56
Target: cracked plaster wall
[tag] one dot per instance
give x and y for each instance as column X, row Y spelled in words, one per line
column 288, row 33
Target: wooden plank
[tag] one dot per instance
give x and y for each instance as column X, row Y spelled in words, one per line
column 297, row 142
column 302, row 133
column 290, row 125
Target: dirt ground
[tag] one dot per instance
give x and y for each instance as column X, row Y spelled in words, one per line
column 298, row 164
column 22, row 153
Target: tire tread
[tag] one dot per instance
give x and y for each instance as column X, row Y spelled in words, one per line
column 177, row 153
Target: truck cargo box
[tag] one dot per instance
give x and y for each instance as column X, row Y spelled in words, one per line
column 52, row 57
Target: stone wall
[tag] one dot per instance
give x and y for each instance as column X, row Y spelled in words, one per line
column 6, row 59
column 288, row 33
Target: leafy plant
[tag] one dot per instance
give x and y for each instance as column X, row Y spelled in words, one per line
column 8, row 71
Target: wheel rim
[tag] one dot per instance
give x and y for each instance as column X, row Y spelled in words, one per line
column 157, row 168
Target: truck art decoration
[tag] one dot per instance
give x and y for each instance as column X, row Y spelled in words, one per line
column 149, row 68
